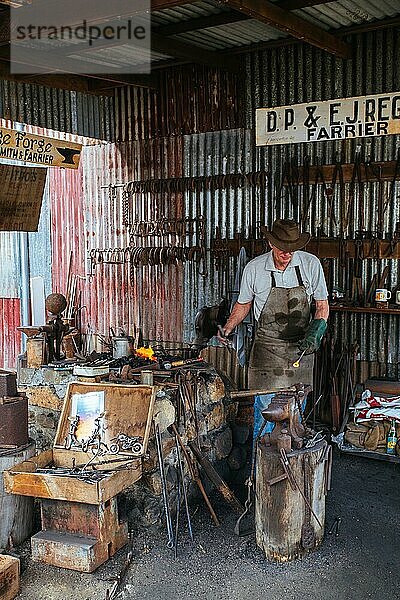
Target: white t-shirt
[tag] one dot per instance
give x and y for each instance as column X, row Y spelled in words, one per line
column 256, row 281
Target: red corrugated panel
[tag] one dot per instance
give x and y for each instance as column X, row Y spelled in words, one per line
column 67, row 222
column 152, row 297
column 86, row 216
column 10, row 338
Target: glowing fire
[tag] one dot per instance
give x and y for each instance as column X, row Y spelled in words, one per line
column 146, row 353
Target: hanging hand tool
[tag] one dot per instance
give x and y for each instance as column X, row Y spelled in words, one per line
column 288, row 470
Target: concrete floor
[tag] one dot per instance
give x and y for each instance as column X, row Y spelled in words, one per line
column 361, row 562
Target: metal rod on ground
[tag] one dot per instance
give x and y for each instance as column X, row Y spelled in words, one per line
column 216, row 479
column 170, row 532
column 195, row 477
column 178, row 454
column 178, row 510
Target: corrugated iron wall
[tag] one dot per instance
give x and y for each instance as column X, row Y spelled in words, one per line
column 60, row 110
column 301, row 73
column 190, row 99
column 87, row 215
column 196, row 125
column 10, row 338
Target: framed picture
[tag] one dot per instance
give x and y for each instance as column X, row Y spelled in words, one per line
column 88, row 407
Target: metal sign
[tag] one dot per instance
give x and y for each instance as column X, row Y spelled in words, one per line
column 21, row 194
column 38, row 149
column 344, row 118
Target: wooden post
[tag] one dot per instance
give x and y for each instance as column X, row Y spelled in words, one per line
column 286, row 527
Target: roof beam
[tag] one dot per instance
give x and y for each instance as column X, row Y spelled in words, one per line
column 190, row 53
column 269, row 13
column 223, row 18
column 163, row 4
column 382, row 24
column 296, row 4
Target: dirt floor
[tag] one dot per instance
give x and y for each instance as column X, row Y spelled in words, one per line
column 361, row 562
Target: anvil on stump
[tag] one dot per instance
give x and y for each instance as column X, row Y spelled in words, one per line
column 292, row 480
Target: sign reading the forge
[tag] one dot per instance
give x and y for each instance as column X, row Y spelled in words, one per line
column 365, row 116
column 21, row 194
column 41, row 150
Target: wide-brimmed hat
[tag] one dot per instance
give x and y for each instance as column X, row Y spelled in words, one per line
column 286, row 236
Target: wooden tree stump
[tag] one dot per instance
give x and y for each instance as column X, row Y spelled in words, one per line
column 286, row 528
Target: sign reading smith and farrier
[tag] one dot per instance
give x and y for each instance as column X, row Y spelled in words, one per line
column 365, row 116
column 38, row 149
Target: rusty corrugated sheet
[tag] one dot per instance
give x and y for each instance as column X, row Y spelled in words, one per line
column 10, row 338
column 67, row 225
column 149, row 295
column 190, row 99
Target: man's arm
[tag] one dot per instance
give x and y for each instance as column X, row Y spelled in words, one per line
column 239, row 312
column 321, row 309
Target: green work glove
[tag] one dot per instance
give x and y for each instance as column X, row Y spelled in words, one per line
column 313, row 336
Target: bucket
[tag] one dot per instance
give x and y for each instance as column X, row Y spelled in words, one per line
column 16, row 511
column 121, row 347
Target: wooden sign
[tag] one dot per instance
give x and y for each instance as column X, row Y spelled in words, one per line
column 38, row 149
column 21, row 194
column 345, row 118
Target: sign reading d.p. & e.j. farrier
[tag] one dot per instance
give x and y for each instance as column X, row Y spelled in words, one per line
column 344, row 118
column 38, row 149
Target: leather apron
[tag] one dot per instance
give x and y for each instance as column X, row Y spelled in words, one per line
column 282, row 325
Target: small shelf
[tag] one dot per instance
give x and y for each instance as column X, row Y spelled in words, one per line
column 370, row 454
column 374, row 311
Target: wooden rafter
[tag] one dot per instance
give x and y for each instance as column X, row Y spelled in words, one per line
column 223, row 18
column 296, row 4
column 340, row 33
column 190, row 53
column 163, row 4
column 276, row 17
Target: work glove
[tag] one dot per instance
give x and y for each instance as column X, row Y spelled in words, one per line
column 313, row 336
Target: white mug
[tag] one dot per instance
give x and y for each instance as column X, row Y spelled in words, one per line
column 382, row 295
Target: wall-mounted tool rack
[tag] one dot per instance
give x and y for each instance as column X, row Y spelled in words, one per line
column 321, row 247
column 146, row 255
column 368, row 172
column 190, row 184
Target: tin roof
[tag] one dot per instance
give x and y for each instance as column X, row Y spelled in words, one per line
column 216, row 27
